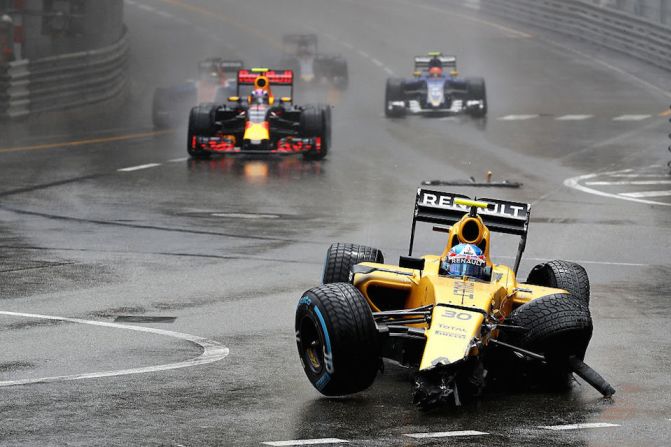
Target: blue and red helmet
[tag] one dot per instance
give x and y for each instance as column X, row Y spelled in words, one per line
column 464, row 260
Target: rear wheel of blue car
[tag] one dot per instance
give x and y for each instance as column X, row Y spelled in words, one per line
column 337, row 339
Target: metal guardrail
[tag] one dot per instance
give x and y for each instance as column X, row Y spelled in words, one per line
column 635, row 36
column 64, row 81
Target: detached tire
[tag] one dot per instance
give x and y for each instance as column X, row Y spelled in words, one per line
column 337, row 339
column 558, row 327
column 393, row 92
column 341, row 257
column 565, row 275
column 477, row 91
column 201, row 123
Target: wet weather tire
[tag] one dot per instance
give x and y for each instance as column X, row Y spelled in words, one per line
column 316, row 122
column 201, row 123
column 394, row 92
column 341, row 257
column 337, row 339
column 565, row 275
column 477, row 91
column 557, row 326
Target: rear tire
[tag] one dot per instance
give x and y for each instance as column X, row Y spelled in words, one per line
column 565, row 275
column 201, row 123
column 477, row 91
column 394, row 92
column 340, row 258
column 337, row 339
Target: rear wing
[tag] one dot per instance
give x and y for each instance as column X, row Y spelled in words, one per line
column 501, row 216
column 277, row 77
column 422, row 62
column 230, row 66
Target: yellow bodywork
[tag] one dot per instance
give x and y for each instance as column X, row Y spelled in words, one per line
column 256, row 132
column 460, row 304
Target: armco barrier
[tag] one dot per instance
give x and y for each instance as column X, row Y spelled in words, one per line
column 607, row 27
column 59, row 82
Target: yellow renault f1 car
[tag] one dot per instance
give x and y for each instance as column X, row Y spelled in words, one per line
column 461, row 332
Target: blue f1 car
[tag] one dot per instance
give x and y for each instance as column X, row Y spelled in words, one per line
column 216, row 82
column 436, row 88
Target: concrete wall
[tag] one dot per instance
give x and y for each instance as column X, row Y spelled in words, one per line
column 53, row 27
column 655, row 10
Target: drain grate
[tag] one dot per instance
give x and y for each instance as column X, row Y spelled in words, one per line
column 143, row 319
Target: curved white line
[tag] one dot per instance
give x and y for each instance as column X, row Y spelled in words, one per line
column 574, row 182
column 212, row 351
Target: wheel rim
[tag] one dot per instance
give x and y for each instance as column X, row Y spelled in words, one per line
column 312, row 345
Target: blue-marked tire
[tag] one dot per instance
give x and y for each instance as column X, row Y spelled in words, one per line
column 337, row 339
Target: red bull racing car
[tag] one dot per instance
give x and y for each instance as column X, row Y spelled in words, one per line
column 256, row 122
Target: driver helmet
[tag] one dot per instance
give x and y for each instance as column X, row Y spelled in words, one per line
column 435, row 71
column 259, row 96
column 464, row 260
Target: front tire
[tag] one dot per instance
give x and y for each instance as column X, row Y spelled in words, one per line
column 201, row 123
column 340, row 258
column 337, row 339
column 316, row 122
column 477, row 91
column 557, row 326
column 394, row 92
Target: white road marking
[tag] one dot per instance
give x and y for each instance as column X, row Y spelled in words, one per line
column 246, row 216
column 448, row 118
column 574, row 182
column 377, row 62
column 640, row 175
column 165, row 14
column 364, row 54
column 631, row 117
column 446, row 434
column 306, row 442
column 643, row 194
column 213, row 351
column 348, row 45
column 518, row 117
column 630, row 182
column 389, row 71
column 137, row 168
column 574, row 117
column 130, row 2
column 579, row 426
column 178, row 160
column 145, row 7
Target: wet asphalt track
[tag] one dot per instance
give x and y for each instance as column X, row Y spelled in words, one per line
column 227, row 246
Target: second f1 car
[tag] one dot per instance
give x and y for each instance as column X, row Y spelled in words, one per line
column 436, row 88
column 257, row 122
